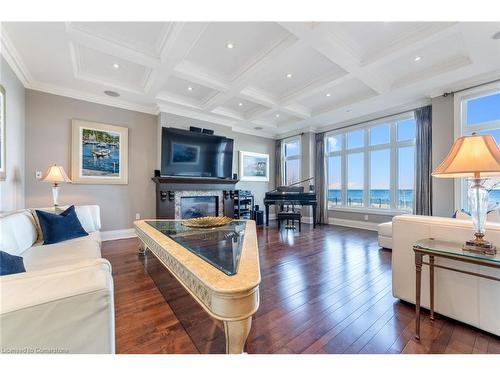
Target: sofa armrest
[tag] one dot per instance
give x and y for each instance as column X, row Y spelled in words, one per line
column 67, row 308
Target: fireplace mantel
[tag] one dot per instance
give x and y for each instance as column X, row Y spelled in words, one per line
column 170, row 189
column 195, row 183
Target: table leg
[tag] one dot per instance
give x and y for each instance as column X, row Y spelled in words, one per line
column 267, row 215
column 142, row 247
column 236, row 334
column 431, row 283
column 314, row 216
column 418, row 279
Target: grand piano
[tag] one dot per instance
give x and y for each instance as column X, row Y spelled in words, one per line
column 291, row 194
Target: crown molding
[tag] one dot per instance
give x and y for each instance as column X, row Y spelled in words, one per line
column 97, row 99
column 10, row 54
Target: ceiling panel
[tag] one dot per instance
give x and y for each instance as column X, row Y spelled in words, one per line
column 146, row 37
column 345, row 93
column 245, row 108
column 250, row 40
column 277, row 118
column 305, row 65
column 433, row 59
column 370, row 40
column 93, row 64
column 189, row 90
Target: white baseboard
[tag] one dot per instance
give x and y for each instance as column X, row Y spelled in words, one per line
column 272, row 217
column 119, row 234
column 307, row 219
column 354, row 223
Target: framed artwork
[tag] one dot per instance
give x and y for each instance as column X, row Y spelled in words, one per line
column 2, row 133
column 99, row 153
column 254, row 166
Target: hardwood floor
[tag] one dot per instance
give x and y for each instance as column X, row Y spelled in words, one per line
column 325, row 290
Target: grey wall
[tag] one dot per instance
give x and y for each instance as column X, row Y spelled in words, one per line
column 12, row 189
column 442, row 139
column 242, row 142
column 48, row 141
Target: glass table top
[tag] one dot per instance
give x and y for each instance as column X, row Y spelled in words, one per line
column 221, row 247
column 455, row 248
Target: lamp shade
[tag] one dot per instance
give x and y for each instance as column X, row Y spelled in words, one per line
column 56, row 174
column 471, row 156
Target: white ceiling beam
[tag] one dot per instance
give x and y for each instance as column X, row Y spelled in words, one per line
column 322, row 42
column 244, row 79
column 197, row 74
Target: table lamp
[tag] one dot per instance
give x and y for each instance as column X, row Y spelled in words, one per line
column 474, row 157
column 56, row 175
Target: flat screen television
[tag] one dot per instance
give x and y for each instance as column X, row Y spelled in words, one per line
column 190, row 154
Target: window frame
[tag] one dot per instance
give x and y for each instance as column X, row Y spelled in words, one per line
column 461, row 128
column 285, row 158
column 393, row 145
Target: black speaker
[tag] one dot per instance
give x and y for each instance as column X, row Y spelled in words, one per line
column 235, row 176
column 157, row 173
column 259, row 217
column 256, row 207
column 194, row 129
column 208, row 131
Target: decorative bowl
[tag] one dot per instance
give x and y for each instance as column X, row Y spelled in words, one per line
column 207, row 222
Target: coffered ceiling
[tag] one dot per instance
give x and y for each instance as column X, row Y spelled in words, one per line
column 261, row 78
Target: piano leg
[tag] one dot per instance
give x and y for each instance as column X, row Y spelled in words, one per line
column 314, row 216
column 267, row 215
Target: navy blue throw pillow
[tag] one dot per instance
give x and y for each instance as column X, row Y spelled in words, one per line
column 10, row 264
column 57, row 228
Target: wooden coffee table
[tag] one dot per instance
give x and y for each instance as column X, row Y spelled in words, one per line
column 218, row 267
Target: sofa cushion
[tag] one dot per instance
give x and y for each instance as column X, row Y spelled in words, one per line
column 10, row 264
column 89, row 216
column 385, row 229
column 57, row 228
column 17, row 232
column 40, row 257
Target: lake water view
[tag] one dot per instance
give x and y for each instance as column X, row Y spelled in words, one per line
column 380, row 198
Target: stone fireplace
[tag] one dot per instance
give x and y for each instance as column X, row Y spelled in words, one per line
column 185, row 197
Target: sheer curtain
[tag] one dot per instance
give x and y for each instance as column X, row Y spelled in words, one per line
column 277, row 166
column 320, row 180
column 423, row 164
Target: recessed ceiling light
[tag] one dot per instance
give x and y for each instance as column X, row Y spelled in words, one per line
column 116, row 66
column 417, row 58
column 289, row 75
column 496, row 35
column 114, row 94
column 190, row 88
column 229, row 45
column 277, row 115
column 258, row 128
column 240, row 104
column 328, row 94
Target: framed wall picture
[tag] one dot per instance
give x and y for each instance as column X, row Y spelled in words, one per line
column 254, row 166
column 99, row 153
column 3, row 124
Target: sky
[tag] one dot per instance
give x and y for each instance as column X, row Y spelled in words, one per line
column 484, row 109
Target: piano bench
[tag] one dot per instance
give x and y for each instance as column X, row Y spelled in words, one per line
column 289, row 215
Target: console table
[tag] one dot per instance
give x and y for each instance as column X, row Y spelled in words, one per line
column 434, row 248
column 218, row 267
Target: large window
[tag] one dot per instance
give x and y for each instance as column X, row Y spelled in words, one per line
column 372, row 166
column 291, row 160
column 477, row 110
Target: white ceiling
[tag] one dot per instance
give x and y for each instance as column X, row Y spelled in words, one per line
column 340, row 71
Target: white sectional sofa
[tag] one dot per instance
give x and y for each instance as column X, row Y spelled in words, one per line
column 469, row 299
column 63, row 303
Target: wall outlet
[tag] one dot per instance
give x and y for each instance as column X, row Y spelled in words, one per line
column 38, row 175
column 138, row 216
column 366, row 217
